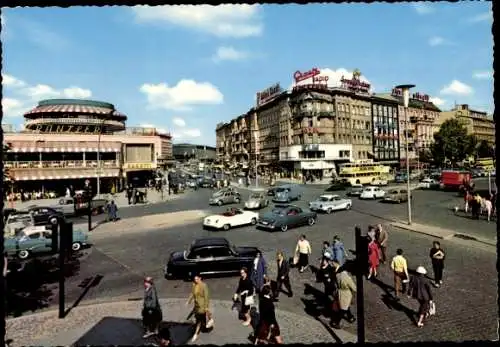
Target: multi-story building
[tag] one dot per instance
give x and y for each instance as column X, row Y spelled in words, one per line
column 65, row 142
column 188, row 151
column 223, row 142
column 385, row 120
column 478, row 123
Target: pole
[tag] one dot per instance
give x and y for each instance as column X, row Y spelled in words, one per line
column 256, row 164
column 99, row 163
column 62, row 256
column 489, row 182
column 360, row 302
column 408, row 168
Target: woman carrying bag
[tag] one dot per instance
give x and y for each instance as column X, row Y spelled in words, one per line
column 151, row 311
column 245, row 292
column 199, row 295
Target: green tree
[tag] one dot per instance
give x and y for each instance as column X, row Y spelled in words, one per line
column 484, row 150
column 425, row 156
column 452, row 143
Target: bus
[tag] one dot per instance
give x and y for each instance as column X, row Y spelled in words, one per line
column 365, row 172
column 486, row 164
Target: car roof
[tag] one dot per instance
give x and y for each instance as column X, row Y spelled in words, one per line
column 210, row 241
column 329, row 196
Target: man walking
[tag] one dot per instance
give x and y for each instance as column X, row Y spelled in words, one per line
column 382, row 238
column 400, row 268
column 283, row 276
column 338, row 250
column 112, row 211
column 346, row 290
column 437, row 256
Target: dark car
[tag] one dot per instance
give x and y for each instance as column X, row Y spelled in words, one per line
column 46, row 215
column 207, row 183
column 283, row 217
column 211, row 255
column 272, row 191
column 336, row 186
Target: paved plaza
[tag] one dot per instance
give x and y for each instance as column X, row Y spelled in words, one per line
column 123, row 256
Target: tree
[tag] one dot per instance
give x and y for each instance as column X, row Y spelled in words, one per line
column 484, row 150
column 452, row 143
column 425, row 155
column 6, row 148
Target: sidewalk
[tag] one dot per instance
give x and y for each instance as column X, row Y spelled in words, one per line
column 119, row 323
column 441, row 233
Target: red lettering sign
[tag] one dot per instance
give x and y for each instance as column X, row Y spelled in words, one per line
column 355, row 85
column 320, row 79
column 421, row 97
column 300, row 76
column 268, row 94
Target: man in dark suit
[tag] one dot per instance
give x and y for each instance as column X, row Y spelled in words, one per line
column 282, row 277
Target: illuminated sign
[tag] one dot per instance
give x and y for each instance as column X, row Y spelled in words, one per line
column 139, row 166
column 355, row 84
column 415, row 96
column 310, row 86
column 80, row 129
column 267, row 94
column 301, row 76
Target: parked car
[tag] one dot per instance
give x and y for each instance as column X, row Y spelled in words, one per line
column 355, row 190
column 76, row 207
column 224, row 198
column 428, row 183
column 206, row 183
column 16, row 222
column 283, row 217
column 371, row 192
column 287, row 193
column 329, row 203
column 233, row 217
column 336, row 186
column 397, row 195
column 272, row 191
column 256, row 201
column 45, row 215
column 214, row 255
column 401, row 178
column 24, row 245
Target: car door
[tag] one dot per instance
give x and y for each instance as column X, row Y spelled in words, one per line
column 226, row 198
column 224, row 260
column 336, row 202
column 300, row 216
column 403, row 195
column 38, row 217
column 376, row 192
column 239, row 218
column 34, row 242
column 199, row 260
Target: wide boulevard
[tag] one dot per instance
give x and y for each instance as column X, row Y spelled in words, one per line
column 466, row 303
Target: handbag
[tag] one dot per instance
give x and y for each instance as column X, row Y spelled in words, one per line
column 432, row 308
column 210, row 321
column 295, row 259
column 249, row 300
column 335, row 305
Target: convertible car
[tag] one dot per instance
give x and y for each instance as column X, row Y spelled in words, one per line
column 283, row 217
column 213, row 255
column 231, row 218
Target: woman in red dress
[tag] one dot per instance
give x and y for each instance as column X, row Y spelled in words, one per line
column 373, row 258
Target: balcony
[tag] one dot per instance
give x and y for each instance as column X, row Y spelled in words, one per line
column 303, row 113
column 60, row 164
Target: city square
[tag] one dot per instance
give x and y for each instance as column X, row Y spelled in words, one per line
column 143, row 204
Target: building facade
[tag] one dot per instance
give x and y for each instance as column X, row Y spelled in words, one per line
column 385, row 120
column 478, row 123
column 187, row 151
column 66, row 142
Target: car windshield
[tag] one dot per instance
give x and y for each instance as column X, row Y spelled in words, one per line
column 394, row 192
column 255, row 196
column 280, row 190
column 369, row 189
column 324, row 198
column 219, row 193
column 279, row 211
column 357, row 188
column 20, row 218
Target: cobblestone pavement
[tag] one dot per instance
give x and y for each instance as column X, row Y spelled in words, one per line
column 466, row 303
column 119, row 323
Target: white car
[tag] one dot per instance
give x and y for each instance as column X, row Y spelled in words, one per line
column 372, row 193
column 329, row 203
column 232, row 218
column 428, row 183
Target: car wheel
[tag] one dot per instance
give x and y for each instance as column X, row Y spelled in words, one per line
column 24, row 254
column 219, row 202
column 267, row 203
column 53, row 220
column 311, row 221
column 226, row 227
column 348, row 207
column 329, row 210
column 253, row 221
column 284, row 228
column 76, row 246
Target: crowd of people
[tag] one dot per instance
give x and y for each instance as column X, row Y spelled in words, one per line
column 478, row 205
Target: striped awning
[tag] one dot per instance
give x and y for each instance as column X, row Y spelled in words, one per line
column 38, row 176
column 74, row 109
column 65, row 147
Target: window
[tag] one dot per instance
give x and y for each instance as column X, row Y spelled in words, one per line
column 201, row 253
column 220, row 252
column 34, row 236
column 47, row 235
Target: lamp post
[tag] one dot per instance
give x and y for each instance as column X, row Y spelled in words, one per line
column 256, row 137
column 405, row 88
column 99, row 153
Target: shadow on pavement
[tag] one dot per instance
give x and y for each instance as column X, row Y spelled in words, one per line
column 116, row 331
column 29, row 283
column 86, row 284
column 393, row 304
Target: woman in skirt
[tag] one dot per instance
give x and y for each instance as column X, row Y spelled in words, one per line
column 245, row 292
column 267, row 329
column 303, row 250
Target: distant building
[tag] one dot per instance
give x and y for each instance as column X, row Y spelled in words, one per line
column 478, row 123
column 187, row 151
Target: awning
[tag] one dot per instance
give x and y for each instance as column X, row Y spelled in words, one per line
column 74, row 109
column 61, row 147
column 51, row 176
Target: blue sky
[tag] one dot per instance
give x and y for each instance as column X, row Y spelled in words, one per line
column 183, row 69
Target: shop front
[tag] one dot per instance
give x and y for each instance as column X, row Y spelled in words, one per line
column 318, row 169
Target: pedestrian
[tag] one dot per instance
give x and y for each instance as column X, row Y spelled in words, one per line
column 164, row 337
column 372, row 232
column 5, row 272
column 488, row 207
column 267, row 283
column 303, row 250
column 420, row 290
column 437, row 256
column 259, row 271
column 467, row 198
column 200, row 297
column 346, row 290
column 382, row 238
column 373, row 258
column 282, row 276
column 245, row 293
column 399, row 267
column 339, row 252
column 327, row 275
column 112, row 211
column 327, row 252
column 268, row 329
column 151, row 312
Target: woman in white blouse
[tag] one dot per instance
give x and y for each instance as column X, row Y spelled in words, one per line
column 303, row 250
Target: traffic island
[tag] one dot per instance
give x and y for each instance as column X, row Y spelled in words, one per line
column 119, row 323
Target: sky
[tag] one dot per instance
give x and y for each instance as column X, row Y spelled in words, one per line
column 183, row 69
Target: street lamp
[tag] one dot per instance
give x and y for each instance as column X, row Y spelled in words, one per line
column 405, row 88
column 256, row 137
column 99, row 152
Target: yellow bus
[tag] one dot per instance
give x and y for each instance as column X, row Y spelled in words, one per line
column 365, row 172
column 486, row 164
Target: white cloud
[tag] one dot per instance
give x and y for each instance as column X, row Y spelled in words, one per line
column 229, row 53
column 482, row 17
column 437, row 101
column 223, row 20
column 185, row 134
column 437, row 41
column 457, row 88
column 43, row 91
column 422, row 8
column 9, row 81
column 13, row 107
column 182, row 96
column 76, row 93
column 181, row 123
column 334, row 77
column 483, row 75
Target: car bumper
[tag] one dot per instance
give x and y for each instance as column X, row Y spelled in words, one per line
column 251, row 206
column 318, row 209
column 267, row 226
column 362, row 197
column 212, row 226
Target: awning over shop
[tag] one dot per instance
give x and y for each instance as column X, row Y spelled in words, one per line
column 41, row 175
column 65, row 147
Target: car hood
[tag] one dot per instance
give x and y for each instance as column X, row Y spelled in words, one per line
column 318, row 202
column 246, row 251
column 253, row 201
column 17, row 225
